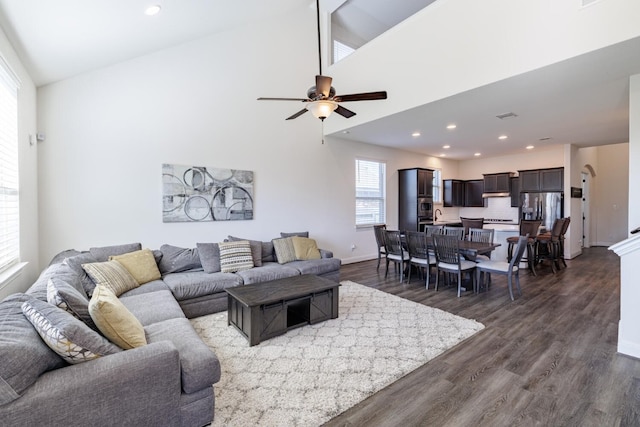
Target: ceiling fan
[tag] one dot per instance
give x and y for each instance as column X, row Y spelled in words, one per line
column 321, row 99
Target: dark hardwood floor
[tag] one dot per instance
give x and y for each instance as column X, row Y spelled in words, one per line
column 546, row 359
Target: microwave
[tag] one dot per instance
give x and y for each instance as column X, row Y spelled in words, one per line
column 425, row 207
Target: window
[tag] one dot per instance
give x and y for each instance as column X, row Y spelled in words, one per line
column 437, row 186
column 9, row 218
column 370, row 192
column 341, row 51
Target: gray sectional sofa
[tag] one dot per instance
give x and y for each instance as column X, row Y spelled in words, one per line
column 169, row 380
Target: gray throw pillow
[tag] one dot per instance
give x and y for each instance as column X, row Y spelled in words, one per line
column 23, row 354
column 64, row 296
column 175, row 259
column 256, row 249
column 295, row 233
column 74, row 341
column 102, row 254
column 209, row 257
column 75, row 262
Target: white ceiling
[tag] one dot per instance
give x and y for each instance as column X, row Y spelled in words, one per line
column 583, row 101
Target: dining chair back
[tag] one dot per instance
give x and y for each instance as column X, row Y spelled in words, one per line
column 468, row 223
column 430, row 230
column 484, row 235
column 395, row 252
column 378, row 231
column 419, row 254
column 510, row 269
column 449, row 260
column 454, row 231
column 531, row 228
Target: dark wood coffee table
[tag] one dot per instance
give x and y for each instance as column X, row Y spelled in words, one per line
column 265, row 310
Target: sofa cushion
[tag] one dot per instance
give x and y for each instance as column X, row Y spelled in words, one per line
column 295, row 233
column 305, row 248
column 68, row 336
column 23, row 354
column 284, row 250
column 140, row 264
column 175, row 259
column 112, row 275
column 187, row 285
column 104, row 252
column 75, row 263
column 235, row 256
column 114, row 320
column 153, row 307
column 256, row 249
column 156, row 285
column 61, row 256
column 199, row 366
column 64, row 296
column 316, row 266
column 268, row 271
column 209, row 256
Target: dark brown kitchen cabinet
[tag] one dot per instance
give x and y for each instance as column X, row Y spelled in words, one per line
column 415, row 198
column 542, row 180
column 453, row 193
column 473, row 193
column 515, row 192
column 497, row 182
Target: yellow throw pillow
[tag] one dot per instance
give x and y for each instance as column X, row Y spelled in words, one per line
column 305, row 248
column 114, row 320
column 141, row 264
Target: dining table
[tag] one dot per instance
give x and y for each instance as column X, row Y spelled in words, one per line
column 470, row 249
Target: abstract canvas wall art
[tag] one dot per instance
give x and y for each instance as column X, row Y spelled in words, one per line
column 200, row 193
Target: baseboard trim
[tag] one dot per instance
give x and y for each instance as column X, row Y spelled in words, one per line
column 629, row 348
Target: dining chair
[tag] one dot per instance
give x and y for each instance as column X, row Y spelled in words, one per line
column 548, row 245
column 453, row 231
column 527, row 227
column 378, row 231
column 565, row 227
column 395, row 252
column 449, row 260
column 510, row 269
column 468, row 223
column 419, row 254
column 484, row 235
column 430, row 230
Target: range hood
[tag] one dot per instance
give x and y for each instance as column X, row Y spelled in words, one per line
column 503, row 194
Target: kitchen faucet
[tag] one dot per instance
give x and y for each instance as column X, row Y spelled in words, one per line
column 435, row 217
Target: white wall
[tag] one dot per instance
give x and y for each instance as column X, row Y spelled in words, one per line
column 28, row 164
column 456, row 45
column 109, row 131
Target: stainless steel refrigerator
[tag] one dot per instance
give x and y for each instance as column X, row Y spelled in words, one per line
column 545, row 206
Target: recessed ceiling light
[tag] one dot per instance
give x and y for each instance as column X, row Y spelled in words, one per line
column 451, row 126
column 503, row 137
column 443, row 155
column 476, row 154
column 153, row 10
column 446, row 147
column 529, row 147
column 415, row 134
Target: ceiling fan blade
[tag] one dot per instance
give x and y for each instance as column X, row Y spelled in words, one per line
column 344, row 112
column 369, row 96
column 323, row 85
column 283, row 99
column 298, row 114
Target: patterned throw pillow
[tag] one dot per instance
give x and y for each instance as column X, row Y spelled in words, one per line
column 114, row 320
column 141, row 264
column 64, row 296
column 112, row 275
column 74, row 341
column 305, row 248
column 285, row 252
column 235, row 256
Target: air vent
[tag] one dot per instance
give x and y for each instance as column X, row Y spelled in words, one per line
column 506, row 116
column 588, row 2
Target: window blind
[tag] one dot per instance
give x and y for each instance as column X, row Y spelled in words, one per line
column 370, row 192
column 9, row 194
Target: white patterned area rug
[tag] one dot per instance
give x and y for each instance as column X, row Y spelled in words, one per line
column 313, row 373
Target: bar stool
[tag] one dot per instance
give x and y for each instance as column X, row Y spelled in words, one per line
column 548, row 246
column 527, row 227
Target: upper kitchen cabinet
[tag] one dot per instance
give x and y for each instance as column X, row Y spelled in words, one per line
column 416, row 182
column 453, row 193
column 497, row 182
column 542, row 180
column 515, row 192
column 415, row 198
column 473, row 193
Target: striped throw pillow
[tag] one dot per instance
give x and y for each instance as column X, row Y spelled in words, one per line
column 235, row 256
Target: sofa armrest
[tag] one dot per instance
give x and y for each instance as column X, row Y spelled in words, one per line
column 135, row 387
column 324, row 253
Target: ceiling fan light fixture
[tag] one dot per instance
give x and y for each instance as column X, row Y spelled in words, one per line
column 321, row 109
